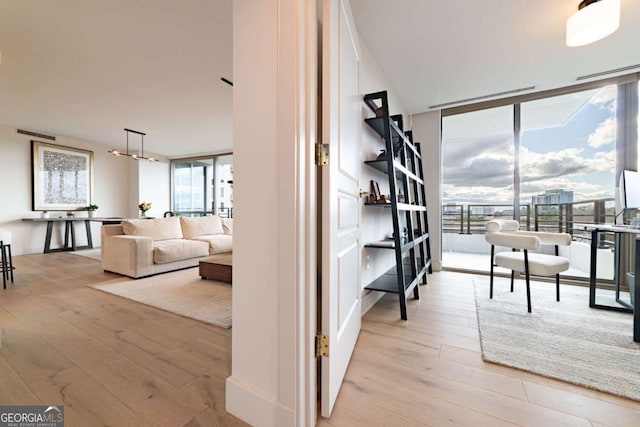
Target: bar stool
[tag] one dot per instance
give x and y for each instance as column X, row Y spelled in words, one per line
column 7, row 260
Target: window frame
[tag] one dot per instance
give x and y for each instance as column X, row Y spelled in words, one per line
column 211, row 157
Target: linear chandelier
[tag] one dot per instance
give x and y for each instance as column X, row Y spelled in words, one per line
column 594, row 20
column 135, row 156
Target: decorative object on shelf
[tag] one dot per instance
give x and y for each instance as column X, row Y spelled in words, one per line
column 593, row 21
column 71, row 213
column 375, row 191
column 91, row 210
column 44, row 214
column 135, row 156
column 62, row 177
column 144, row 207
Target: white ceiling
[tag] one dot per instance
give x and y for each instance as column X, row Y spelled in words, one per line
column 89, row 68
column 435, row 51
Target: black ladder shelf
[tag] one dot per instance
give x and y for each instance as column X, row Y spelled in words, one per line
column 402, row 163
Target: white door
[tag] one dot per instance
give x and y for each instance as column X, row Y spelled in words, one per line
column 341, row 124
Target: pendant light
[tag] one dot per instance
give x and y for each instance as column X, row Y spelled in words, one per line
column 594, row 20
column 135, row 156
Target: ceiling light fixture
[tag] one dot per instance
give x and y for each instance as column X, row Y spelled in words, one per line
column 594, row 20
column 135, row 156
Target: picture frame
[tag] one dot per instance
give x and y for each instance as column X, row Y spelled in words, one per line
column 61, row 177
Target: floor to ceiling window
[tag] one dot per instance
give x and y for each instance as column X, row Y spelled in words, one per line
column 477, row 178
column 548, row 161
column 568, row 156
column 203, row 185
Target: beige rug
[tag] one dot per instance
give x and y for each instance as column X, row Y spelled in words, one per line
column 565, row 340
column 182, row 292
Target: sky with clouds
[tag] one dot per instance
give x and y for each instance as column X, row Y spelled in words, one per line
column 567, row 142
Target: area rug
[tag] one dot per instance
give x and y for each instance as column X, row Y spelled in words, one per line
column 182, row 292
column 89, row 253
column 565, row 340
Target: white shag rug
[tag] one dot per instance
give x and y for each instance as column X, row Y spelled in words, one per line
column 565, row 340
column 182, row 292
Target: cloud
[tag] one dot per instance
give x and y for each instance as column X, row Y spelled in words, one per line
column 604, row 134
column 462, row 151
column 465, row 161
column 477, row 194
column 489, row 179
column 570, row 161
column 482, row 172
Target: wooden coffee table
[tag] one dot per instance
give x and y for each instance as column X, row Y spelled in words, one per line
column 217, row 267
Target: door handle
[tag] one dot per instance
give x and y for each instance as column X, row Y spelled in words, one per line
column 362, row 192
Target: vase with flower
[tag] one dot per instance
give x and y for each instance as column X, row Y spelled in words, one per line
column 144, row 207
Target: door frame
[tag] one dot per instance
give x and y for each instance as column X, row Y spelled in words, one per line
column 308, row 408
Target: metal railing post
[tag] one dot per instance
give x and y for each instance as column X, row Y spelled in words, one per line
column 461, row 219
column 569, row 218
column 468, row 219
column 560, row 216
column 598, row 212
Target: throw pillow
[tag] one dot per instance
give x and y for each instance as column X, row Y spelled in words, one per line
column 201, row 226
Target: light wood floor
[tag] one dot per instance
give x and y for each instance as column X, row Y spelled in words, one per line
column 109, row 360
column 428, row 371
column 112, row 361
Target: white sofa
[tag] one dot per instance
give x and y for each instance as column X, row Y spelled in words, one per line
column 144, row 247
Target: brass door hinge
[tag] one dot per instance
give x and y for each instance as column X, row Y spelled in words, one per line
column 322, row 346
column 322, row 154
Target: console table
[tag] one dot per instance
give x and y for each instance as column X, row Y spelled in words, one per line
column 596, row 230
column 69, row 231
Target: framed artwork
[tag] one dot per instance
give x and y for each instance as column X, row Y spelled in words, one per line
column 62, row 177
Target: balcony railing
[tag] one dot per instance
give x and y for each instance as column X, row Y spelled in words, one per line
column 464, row 245
column 557, row 217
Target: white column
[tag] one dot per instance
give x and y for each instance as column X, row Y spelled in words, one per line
column 426, row 130
column 270, row 348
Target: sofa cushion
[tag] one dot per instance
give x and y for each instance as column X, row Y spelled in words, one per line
column 165, row 251
column 218, row 243
column 200, row 226
column 157, row 229
column 227, row 226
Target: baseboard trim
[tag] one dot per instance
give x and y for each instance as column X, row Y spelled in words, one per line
column 255, row 408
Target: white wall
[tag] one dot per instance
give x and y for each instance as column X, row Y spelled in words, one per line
column 376, row 222
column 153, row 184
column 110, row 190
column 119, row 184
column 426, row 130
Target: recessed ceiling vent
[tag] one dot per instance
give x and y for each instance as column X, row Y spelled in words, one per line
column 483, row 97
column 36, row 134
column 604, row 73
